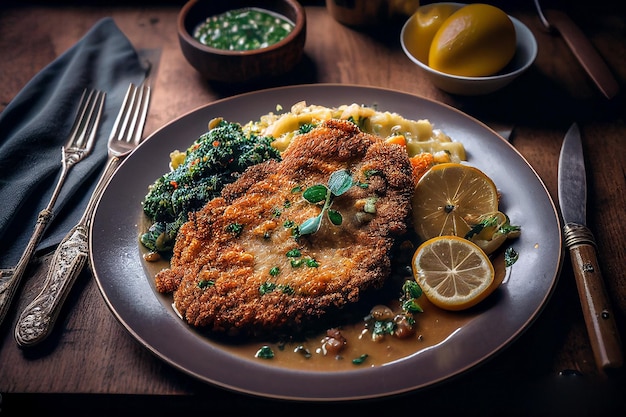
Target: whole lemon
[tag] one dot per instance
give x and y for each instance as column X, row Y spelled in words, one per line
column 424, row 24
column 477, row 40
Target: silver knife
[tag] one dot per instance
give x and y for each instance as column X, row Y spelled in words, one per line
column 582, row 48
column 599, row 318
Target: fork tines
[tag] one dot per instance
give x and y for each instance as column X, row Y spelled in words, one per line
column 83, row 131
column 132, row 115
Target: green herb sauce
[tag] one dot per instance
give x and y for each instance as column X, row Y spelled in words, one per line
column 243, row 29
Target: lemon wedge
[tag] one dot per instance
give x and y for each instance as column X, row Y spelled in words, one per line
column 491, row 230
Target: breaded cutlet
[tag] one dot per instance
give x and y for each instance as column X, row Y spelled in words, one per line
column 239, row 265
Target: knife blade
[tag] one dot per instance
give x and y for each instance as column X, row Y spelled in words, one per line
column 572, row 194
column 584, row 51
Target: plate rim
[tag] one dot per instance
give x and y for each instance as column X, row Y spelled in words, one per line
column 336, row 375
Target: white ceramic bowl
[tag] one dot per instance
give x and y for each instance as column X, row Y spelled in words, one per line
column 525, row 55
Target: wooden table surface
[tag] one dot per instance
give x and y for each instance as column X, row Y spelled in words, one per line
column 91, row 362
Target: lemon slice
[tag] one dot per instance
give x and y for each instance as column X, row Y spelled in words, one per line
column 454, row 273
column 449, row 198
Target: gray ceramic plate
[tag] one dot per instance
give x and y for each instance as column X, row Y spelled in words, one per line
column 129, row 292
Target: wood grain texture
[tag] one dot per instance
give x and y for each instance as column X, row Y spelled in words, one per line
column 91, row 353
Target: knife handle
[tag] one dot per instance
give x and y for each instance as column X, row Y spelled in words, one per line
column 596, row 307
column 37, row 319
column 585, row 52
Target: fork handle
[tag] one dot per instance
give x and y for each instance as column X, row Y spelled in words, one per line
column 10, row 278
column 37, row 319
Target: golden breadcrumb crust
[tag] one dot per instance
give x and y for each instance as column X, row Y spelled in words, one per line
column 238, row 243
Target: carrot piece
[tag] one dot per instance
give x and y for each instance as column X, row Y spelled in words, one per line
column 421, row 163
column 396, row 140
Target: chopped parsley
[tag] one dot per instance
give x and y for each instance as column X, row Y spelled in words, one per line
column 360, row 360
column 234, row 228
column 205, row 283
column 265, row 352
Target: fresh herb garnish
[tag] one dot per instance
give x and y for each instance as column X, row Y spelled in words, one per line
column 509, row 228
column 382, row 321
column 276, row 212
column 510, row 256
column 287, row 289
column 205, row 283
column 274, row 271
column 338, row 183
column 267, row 287
column 360, row 359
column 411, row 291
column 310, row 262
column 477, row 228
column 265, row 352
column 306, row 128
column 492, row 221
column 369, row 173
column 235, row 228
column 296, row 263
column 296, row 259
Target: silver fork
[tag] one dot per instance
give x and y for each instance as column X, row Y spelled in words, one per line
column 78, row 146
column 38, row 318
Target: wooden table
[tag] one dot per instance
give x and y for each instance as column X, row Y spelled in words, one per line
column 91, row 362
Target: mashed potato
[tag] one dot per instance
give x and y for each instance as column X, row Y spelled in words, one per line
column 420, row 135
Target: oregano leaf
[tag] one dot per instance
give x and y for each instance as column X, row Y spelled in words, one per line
column 335, row 217
column 315, row 193
column 340, row 182
column 310, row 226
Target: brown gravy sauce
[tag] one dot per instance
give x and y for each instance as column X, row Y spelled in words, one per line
column 432, row 327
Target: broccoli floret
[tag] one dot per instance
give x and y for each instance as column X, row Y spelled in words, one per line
column 215, row 159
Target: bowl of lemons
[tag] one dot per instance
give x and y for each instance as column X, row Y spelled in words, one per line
column 468, row 49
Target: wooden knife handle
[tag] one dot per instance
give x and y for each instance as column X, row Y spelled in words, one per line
column 585, row 52
column 596, row 307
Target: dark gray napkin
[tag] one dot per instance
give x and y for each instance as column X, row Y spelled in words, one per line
column 36, row 124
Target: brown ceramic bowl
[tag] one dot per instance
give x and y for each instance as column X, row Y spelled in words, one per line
column 241, row 66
